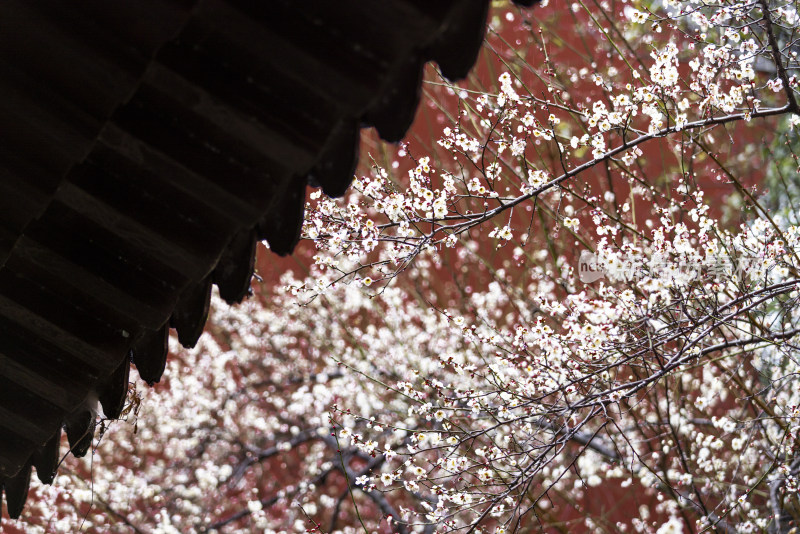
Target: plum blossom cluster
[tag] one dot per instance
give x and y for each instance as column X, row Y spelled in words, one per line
column 510, row 149
column 756, row 253
column 570, row 392
column 494, row 413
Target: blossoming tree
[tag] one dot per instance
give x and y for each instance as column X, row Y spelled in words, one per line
column 572, row 311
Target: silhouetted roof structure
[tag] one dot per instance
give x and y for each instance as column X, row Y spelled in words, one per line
column 147, row 146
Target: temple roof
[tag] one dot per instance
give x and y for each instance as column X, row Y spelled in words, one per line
column 147, row 147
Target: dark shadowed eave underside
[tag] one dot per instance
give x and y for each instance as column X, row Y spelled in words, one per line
column 147, row 147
